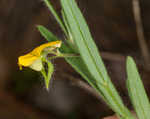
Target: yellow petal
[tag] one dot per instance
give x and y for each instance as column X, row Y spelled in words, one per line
column 37, row 51
column 33, row 59
column 27, row 60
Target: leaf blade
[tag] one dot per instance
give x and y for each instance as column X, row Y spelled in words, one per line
column 59, row 21
column 136, row 91
column 90, row 55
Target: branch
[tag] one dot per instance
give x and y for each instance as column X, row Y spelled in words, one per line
column 140, row 33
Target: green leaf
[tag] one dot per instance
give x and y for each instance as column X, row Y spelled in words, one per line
column 47, row 74
column 90, row 55
column 59, row 21
column 84, row 41
column 136, row 91
column 46, row 34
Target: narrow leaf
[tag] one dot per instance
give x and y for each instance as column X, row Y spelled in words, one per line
column 90, row 55
column 83, row 40
column 136, row 91
column 50, row 7
column 46, row 34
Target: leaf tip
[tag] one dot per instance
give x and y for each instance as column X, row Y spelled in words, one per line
column 130, row 60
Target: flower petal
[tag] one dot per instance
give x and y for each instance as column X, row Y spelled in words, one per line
column 37, row 51
column 27, row 60
column 33, row 59
column 37, row 65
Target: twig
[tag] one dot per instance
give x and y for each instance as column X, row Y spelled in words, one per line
column 83, row 85
column 140, row 32
column 112, row 56
column 86, row 87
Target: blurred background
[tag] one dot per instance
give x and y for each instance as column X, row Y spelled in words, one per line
column 23, row 94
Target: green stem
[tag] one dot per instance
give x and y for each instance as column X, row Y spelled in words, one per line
column 63, row 56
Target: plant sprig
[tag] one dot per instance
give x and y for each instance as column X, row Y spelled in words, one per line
column 90, row 65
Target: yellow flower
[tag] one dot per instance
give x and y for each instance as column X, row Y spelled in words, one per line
column 33, row 58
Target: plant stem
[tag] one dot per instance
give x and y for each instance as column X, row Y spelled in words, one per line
column 140, row 33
